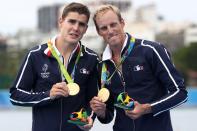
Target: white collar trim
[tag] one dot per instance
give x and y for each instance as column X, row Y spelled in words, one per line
column 53, row 40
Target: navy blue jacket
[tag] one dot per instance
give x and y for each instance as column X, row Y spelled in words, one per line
column 150, row 77
column 39, row 71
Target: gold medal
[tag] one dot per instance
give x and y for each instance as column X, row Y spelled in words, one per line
column 73, row 88
column 103, row 94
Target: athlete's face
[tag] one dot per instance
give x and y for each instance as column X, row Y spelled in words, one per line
column 73, row 27
column 110, row 27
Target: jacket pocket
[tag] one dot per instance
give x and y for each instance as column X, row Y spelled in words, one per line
column 136, row 70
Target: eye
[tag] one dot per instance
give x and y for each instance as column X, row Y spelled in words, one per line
column 71, row 21
column 103, row 28
column 113, row 25
column 81, row 24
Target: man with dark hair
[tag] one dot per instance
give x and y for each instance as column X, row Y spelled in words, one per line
column 139, row 70
column 59, row 77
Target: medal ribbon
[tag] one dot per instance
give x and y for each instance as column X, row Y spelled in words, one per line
column 104, row 74
column 62, row 67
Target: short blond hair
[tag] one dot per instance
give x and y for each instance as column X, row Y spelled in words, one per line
column 103, row 9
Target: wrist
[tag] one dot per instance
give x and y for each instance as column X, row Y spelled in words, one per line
column 147, row 108
column 101, row 115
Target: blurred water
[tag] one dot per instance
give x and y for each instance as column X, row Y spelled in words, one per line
column 13, row 118
column 183, row 119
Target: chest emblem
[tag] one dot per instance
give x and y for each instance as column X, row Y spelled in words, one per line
column 84, row 71
column 138, row 68
column 45, row 74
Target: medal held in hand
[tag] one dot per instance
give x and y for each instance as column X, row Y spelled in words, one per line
column 103, row 94
column 124, row 101
column 72, row 87
column 79, row 118
column 105, row 78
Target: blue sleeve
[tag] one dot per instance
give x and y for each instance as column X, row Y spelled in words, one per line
column 109, row 113
column 92, row 85
column 21, row 92
column 169, row 77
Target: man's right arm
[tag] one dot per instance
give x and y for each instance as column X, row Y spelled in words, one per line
column 104, row 111
column 21, row 92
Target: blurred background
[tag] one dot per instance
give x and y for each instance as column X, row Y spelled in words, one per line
column 25, row 24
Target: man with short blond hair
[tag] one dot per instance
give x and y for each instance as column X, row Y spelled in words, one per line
column 140, row 68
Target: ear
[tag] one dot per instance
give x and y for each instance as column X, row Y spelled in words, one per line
column 86, row 29
column 60, row 21
column 99, row 33
column 122, row 23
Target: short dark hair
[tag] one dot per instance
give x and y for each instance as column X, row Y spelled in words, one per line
column 76, row 7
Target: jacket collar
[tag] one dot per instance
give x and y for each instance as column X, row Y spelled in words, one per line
column 53, row 40
column 107, row 54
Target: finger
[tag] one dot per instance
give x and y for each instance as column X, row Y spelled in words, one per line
column 64, row 91
column 129, row 113
column 96, row 101
column 59, row 92
column 90, row 123
column 63, row 83
column 132, row 114
column 63, row 87
column 96, row 98
column 98, row 107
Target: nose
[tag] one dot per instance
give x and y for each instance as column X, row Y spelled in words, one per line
column 76, row 26
column 110, row 29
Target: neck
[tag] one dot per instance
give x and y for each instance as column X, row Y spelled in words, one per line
column 116, row 55
column 65, row 48
column 116, row 48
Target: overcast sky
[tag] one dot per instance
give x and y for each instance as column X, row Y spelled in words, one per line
column 16, row 14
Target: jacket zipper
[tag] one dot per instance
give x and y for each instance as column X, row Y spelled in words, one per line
column 61, row 100
column 61, row 114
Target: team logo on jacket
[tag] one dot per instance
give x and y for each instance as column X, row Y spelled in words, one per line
column 138, row 68
column 84, row 71
column 45, row 74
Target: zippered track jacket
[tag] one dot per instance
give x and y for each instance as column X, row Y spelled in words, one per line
column 39, row 71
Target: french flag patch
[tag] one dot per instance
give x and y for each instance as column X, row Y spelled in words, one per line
column 47, row 52
column 138, row 68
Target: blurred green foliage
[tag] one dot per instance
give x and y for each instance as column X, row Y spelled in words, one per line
column 10, row 61
column 9, row 65
column 185, row 59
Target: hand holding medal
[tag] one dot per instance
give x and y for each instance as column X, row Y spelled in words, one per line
column 72, row 87
column 105, row 78
column 103, row 94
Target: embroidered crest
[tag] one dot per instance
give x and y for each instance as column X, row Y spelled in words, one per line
column 84, row 71
column 45, row 74
column 138, row 68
